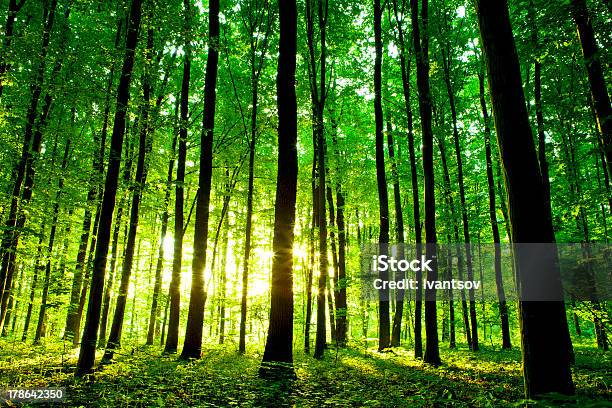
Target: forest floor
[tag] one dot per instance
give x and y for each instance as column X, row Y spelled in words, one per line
column 344, row 378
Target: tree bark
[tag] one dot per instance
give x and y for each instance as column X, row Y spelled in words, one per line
column 499, row 284
column 192, row 346
column 144, row 147
column 174, row 292
column 597, row 81
column 545, row 337
column 279, row 343
column 416, row 213
column 421, row 46
column 384, row 335
column 90, row 332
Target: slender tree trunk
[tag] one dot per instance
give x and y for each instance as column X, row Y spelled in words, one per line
column 144, row 147
column 451, row 204
column 416, row 213
column 537, row 85
column 384, row 338
column 464, row 216
column 399, row 236
column 175, row 283
column 341, row 306
column 421, row 46
column 73, row 318
column 160, row 257
column 499, row 284
column 597, row 81
column 47, row 280
column 279, row 343
column 90, row 333
column 255, row 73
column 192, row 346
column 37, row 267
column 545, row 337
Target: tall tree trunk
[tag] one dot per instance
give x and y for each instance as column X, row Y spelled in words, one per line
column 384, row 324
column 257, row 64
column 90, row 333
column 279, row 343
column 416, row 213
column 175, row 283
column 160, row 257
column 73, row 316
column 47, row 280
column 421, row 46
column 37, row 267
column 545, row 337
column 537, row 85
column 318, row 96
column 597, row 81
column 341, row 306
column 499, row 284
column 450, row 202
column 464, row 215
column 399, row 236
column 192, row 346
column 144, row 147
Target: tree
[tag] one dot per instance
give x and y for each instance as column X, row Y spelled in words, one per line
column 499, row 284
column 421, row 47
column 405, row 59
column 257, row 65
column 278, row 354
column 144, row 147
column 597, row 82
column 87, row 353
column 192, row 346
column 546, row 355
column 173, row 321
column 384, row 324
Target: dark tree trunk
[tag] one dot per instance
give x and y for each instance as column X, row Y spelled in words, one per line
column 597, row 81
column 451, row 205
column 175, row 283
column 499, row 284
column 464, row 216
column 47, row 280
column 421, row 46
column 73, row 317
column 257, row 64
column 279, row 343
column 90, row 333
column 37, row 267
column 160, row 257
column 192, row 346
column 318, row 96
column 416, row 214
column 384, row 323
column 144, row 147
column 399, row 236
column 545, row 337
column 537, row 90
column 341, row 306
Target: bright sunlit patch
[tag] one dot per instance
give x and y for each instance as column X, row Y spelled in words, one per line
column 461, row 12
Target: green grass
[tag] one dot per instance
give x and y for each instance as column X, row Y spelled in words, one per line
column 345, row 378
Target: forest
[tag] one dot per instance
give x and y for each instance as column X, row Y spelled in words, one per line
column 192, row 193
